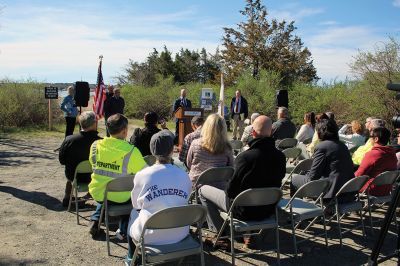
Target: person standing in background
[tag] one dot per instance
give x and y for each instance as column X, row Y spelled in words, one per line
column 114, row 104
column 182, row 101
column 109, row 95
column 239, row 112
column 70, row 110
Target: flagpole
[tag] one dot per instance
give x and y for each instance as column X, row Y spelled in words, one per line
column 221, row 96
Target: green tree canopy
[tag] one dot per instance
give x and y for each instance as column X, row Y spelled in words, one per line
column 258, row 43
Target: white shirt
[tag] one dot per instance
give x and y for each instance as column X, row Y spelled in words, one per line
column 352, row 140
column 305, row 132
column 155, row 188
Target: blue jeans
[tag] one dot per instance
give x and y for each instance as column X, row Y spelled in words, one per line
column 124, row 219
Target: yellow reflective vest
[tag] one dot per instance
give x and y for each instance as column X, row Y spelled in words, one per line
column 359, row 154
column 112, row 158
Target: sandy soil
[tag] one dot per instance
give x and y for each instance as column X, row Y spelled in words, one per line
column 37, row 230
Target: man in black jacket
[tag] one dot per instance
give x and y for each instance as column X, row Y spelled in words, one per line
column 76, row 148
column 262, row 165
column 114, row 104
column 182, row 101
column 283, row 128
column 239, row 112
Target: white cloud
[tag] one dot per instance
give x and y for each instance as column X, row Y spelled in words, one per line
column 50, row 44
column 334, row 47
column 294, row 13
column 396, row 3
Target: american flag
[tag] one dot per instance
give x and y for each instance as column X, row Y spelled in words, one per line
column 100, row 94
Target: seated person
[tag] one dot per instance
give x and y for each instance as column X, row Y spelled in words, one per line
column 307, row 129
column 112, row 157
column 358, row 155
column 141, row 136
column 212, row 149
column 356, row 139
column 248, row 131
column 261, row 166
column 379, row 159
column 157, row 187
column 283, row 128
column 75, row 149
column 315, row 140
column 331, row 160
column 197, row 123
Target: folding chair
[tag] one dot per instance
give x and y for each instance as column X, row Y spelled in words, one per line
column 119, row 184
column 237, row 146
column 82, row 168
column 287, row 143
column 300, row 210
column 307, row 141
column 210, row 176
column 167, row 219
column 385, row 178
column 252, row 197
column 291, row 153
column 150, row 159
column 300, row 169
column 341, row 209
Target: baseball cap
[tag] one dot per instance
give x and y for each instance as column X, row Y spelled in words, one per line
column 162, row 143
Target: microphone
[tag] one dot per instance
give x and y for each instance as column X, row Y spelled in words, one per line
column 393, row 86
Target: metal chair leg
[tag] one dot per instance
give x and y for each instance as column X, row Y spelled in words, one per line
column 232, row 240
column 326, row 234
column 278, row 251
column 338, row 222
column 294, row 236
column 76, row 204
column 107, row 229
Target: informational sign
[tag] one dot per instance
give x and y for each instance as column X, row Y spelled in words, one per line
column 51, row 92
column 207, row 95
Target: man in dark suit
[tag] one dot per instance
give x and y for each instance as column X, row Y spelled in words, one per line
column 239, row 112
column 332, row 160
column 181, row 102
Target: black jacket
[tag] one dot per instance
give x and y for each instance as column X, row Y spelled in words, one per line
column 332, row 160
column 75, row 149
column 113, row 105
column 243, row 107
column 178, row 103
column 262, row 165
column 283, row 128
column 141, row 138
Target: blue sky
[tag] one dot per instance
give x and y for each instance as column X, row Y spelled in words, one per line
column 60, row 41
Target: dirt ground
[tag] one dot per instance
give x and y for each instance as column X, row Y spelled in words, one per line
column 37, row 230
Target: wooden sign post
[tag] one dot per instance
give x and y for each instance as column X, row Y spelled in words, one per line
column 50, row 93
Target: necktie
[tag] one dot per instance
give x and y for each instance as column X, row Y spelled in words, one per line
column 183, row 102
column 237, row 106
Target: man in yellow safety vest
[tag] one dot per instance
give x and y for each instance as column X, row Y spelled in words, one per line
column 112, row 157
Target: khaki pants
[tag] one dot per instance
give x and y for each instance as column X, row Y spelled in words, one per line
column 237, row 123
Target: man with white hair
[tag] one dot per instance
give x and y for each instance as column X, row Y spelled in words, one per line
column 248, row 131
column 359, row 154
column 250, row 172
column 283, row 128
column 182, row 101
column 75, row 149
column 114, row 104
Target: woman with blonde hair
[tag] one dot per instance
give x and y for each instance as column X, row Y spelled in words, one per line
column 212, row 149
column 70, row 110
column 356, row 138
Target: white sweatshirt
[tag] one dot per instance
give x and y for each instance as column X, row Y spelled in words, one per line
column 155, row 188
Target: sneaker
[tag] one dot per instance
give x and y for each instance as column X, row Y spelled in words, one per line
column 120, row 235
column 94, row 228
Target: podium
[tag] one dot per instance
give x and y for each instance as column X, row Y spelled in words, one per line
column 184, row 116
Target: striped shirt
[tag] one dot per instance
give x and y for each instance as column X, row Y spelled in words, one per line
column 199, row 159
column 187, row 142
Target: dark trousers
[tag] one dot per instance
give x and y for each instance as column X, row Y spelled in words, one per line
column 124, row 219
column 105, row 122
column 70, row 125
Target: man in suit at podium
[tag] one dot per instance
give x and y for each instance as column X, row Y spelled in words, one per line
column 181, row 102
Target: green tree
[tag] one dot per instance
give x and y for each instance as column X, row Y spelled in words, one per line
column 271, row 45
column 375, row 69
